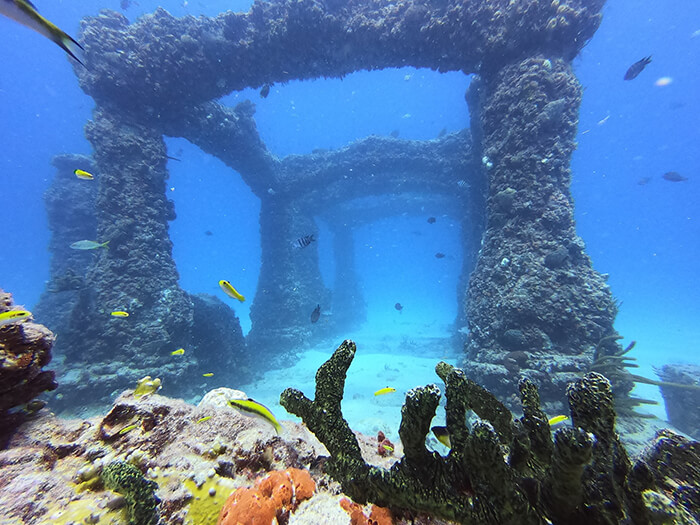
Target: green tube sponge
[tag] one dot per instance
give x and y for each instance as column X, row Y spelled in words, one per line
column 139, row 493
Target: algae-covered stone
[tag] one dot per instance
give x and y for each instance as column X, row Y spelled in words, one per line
column 138, row 492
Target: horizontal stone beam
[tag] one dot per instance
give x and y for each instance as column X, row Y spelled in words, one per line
column 160, row 61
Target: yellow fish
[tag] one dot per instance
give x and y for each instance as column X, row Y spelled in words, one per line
column 442, row 435
column 230, row 290
column 127, row 429
column 557, row 419
column 119, row 313
column 382, row 391
column 179, row 351
column 203, row 419
column 24, row 12
column 14, row 316
column 82, row 174
column 251, row 408
column 146, row 386
column 208, row 374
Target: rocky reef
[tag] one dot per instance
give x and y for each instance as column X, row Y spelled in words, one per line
column 154, row 457
column 502, row 469
column 25, row 349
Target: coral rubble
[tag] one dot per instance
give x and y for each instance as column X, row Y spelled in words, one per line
column 25, row 349
column 503, row 470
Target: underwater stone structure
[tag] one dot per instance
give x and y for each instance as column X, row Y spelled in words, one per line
column 100, row 354
column 533, row 298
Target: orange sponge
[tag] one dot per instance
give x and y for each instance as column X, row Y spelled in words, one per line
column 275, row 496
column 378, row 515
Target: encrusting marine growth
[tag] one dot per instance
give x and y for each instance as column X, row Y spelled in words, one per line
column 139, row 493
column 502, row 470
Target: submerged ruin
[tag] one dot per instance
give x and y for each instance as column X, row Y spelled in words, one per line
column 533, row 304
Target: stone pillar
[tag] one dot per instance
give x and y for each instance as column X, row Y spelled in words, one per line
column 290, row 284
column 349, row 307
column 70, row 208
column 135, row 273
column 535, row 305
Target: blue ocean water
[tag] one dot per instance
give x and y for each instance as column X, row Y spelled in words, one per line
column 647, row 237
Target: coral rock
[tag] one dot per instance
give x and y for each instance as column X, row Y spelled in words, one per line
column 25, row 348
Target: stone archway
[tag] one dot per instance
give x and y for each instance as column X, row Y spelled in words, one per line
column 535, row 305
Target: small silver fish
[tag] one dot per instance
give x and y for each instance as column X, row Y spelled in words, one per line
column 88, row 245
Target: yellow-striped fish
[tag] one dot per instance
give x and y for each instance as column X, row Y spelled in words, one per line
column 557, row 419
column 208, row 374
column 179, row 351
column 251, row 408
column 82, row 174
column 442, row 435
column 203, row 419
column 230, row 290
column 386, row 390
column 25, row 13
column 119, row 313
column 127, row 429
column 14, row 316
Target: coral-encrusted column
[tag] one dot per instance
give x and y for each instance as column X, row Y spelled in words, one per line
column 290, row 284
column 137, row 272
column 535, row 305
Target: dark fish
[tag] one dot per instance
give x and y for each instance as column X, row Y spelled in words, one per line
column 431, row 220
column 674, row 176
column 125, row 4
column 265, row 91
column 172, row 158
column 303, row 242
column 439, row 255
column 644, row 181
column 636, row 68
column 394, row 134
column 208, row 232
column 398, row 306
column 316, row 314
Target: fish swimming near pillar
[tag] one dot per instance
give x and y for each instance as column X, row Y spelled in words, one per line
column 303, row 242
column 316, row 314
column 229, row 290
column 636, row 68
